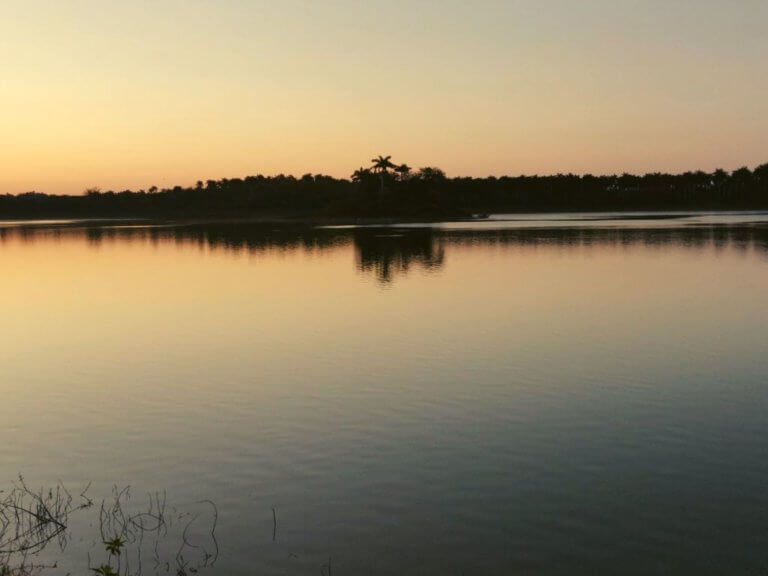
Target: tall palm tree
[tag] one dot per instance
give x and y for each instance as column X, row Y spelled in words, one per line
column 381, row 166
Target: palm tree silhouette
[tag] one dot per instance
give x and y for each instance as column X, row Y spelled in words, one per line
column 381, row 166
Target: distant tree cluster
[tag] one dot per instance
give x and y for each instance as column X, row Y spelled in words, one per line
column 386, row 189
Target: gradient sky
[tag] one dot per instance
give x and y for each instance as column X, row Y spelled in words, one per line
column 131, row 94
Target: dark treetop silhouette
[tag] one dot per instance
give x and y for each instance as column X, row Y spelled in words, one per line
column 390, row 190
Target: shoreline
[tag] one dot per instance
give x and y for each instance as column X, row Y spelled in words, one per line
column 330, row 221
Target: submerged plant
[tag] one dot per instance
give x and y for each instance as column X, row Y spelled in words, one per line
column 30, row 521
column 115, row 545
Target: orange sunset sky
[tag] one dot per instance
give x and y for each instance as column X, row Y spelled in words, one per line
column 163, row 92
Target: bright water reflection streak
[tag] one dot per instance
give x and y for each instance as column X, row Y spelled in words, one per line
column 475, row 399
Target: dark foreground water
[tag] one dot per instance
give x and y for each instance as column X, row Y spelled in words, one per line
column 541, row 396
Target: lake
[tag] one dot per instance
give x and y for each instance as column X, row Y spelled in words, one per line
column 538, row 394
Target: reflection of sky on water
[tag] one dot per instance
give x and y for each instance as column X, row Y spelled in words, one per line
column 586, row 219
column 533, row 401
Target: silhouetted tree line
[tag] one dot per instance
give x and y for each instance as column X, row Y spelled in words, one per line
column 389, row 190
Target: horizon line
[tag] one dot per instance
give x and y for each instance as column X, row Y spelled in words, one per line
column 349, row 179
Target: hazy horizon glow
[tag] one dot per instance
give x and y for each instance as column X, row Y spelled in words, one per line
column 130, row 95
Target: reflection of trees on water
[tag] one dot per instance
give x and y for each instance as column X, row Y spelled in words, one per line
column 390, row 252
column 236, row 237
column 740, row 237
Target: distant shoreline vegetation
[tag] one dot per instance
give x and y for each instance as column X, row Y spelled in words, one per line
column 389, row 190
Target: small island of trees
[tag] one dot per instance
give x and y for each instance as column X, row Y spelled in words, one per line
column 386, row 189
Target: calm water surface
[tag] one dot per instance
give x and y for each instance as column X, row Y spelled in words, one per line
column 544, row 395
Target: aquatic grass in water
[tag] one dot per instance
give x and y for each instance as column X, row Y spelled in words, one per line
column 31, row 521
